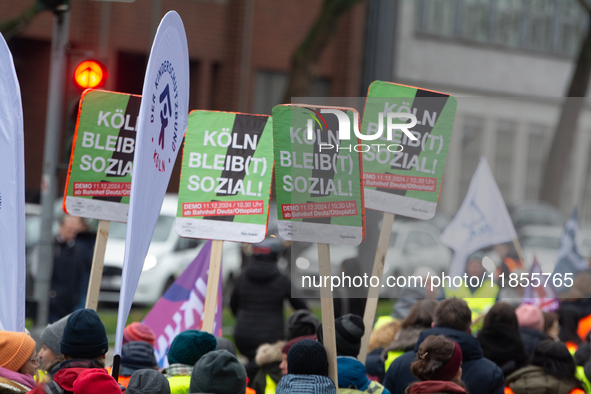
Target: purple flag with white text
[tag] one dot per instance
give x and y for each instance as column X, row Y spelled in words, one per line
column 181, row 307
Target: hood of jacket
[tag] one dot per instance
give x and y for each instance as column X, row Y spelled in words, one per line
column 352, row 374
column 470, row 346
column 69, row 371
column 310, row 384
column 261, row 272
column 533, row 379
column 436, row 386
column 405, row 340
column 269, row 353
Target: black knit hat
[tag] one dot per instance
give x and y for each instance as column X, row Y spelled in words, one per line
column 84, row 335
column 307, row 357
column 349, row 330
column 301, row 323
column 138, row 354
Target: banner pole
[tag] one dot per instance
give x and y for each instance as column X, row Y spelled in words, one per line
column 373, row 293
column 98, row 262
column 213, row 280
column 519, row 250
column 327, row 310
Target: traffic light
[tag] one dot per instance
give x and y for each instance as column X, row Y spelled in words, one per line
column 90, row 74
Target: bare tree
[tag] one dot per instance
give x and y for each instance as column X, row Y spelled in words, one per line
column 305, row 59
column 562, row 144
column 12, row 27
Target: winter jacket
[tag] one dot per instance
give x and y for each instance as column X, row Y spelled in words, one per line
column 405, row 341
column 531, row 337
column 532, row 379
column 268, row 358
column 64, row 379
column 70, row 260
column 257, row 303
column 480, row 375
column 352, row 378
column 15, row 382
column 309, row 384
column 502, row 345
column 436, row 387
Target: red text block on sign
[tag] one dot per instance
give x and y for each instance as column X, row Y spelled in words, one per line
column 401, row 182
column 102, row 189
column 319, row 210
column 223, row 208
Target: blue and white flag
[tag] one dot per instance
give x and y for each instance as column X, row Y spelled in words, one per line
column 162, row 122
column 569, row 258
column 12, row 197
column 481, row 221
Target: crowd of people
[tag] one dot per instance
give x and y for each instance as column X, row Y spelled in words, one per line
column 433, row 349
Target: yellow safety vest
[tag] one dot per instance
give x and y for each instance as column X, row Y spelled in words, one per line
column 179, row 384
column 392, row 355
column 270, row 385
column 580, row 371
column 373, row 388
column 480, row 301
column 382, row 321
column 41, row 377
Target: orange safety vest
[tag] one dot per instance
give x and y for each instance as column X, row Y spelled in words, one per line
column 584, row 327
column 574, row 391
column 122, row 380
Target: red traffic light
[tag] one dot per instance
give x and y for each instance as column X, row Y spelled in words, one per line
column 90, row 74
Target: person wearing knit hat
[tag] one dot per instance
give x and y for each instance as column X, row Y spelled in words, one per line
column 349, row 330
column 224, row 344
column 438, row 367
column 531, row 327
column 186, row 349
column 96, row 381
column 137, row 331
column 50, row 356
column 18, row 361
column 218, row 372
column 84, row 345
column 148, row 381
column 135, row 356
column 301, row 323
column 307, row 357
column 285, row 350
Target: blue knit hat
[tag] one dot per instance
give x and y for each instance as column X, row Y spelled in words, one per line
column 307, row 357
column 189, row 346
column 84, row 335
column 138, row 354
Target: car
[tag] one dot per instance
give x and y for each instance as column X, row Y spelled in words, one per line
column 535, row 213
column 167, row 258
column 412, row 245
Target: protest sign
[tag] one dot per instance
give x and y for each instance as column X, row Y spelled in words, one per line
column 101, row 163
column 226, row 177
column 12, row 197
column 402, row 175
column 182, row 306
column 161, row 125
column 318, row 189
column 406, row 182
column 317, row 177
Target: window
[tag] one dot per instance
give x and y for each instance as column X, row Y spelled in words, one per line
column 541, row 25
column 472, row 135
column 504, row 156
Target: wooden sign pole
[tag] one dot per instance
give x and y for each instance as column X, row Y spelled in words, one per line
column 519, row 250
column 327, row 308
column 98, row 262
column 213, row 281
column 374, row 292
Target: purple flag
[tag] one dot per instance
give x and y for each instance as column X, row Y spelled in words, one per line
column 181, row 307
column 542, row 294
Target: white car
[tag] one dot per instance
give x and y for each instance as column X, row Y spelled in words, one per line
column 412, row 245
column 167, row 258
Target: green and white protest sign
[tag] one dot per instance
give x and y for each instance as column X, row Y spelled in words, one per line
column 403, row 175
column 226, row 176
column 317, row 176
column 99, row 176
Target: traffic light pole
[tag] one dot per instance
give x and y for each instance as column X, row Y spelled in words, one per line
column 49, row 180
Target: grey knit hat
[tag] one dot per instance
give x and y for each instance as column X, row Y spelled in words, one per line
column 52, row 335
column 218, row 372
column 148, row 381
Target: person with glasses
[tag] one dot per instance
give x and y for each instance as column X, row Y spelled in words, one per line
column 18, row 362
